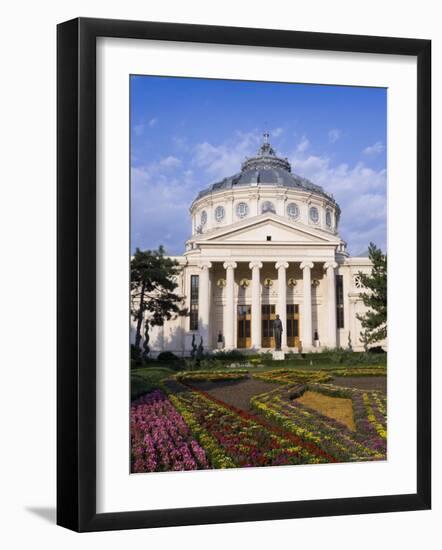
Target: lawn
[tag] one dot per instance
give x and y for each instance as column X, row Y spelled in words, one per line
column 147, row 379
column 339, row 408
column 222, row 416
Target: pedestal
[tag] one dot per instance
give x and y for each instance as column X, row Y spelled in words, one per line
column 278, row 355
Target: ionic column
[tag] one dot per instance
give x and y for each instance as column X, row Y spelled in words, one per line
column 204, row 303
column 306, row 320
column 229, row 310
column 256, row 304
column 331, row 302
column 282, row 300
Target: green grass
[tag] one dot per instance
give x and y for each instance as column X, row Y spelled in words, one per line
column 147, row 379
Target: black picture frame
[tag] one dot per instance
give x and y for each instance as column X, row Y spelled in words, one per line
column 76, row 274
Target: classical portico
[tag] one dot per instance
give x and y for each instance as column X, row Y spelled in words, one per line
column 265, row 242
column 240, row 288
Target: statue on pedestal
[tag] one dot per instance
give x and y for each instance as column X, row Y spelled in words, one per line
column 277, row 332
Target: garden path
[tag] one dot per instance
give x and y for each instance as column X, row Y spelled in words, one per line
column 378, row 383
column 236, row 392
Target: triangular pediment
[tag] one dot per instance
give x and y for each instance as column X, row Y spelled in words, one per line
column 259, row 228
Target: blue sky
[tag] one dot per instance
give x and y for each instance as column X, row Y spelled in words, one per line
column 188, row 133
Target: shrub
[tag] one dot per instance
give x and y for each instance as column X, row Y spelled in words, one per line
column 376, row 349
column 136, row 360
column 293, row 355
column 167, row 356
column 230, row 354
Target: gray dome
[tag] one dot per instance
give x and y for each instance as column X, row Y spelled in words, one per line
column 266, row 168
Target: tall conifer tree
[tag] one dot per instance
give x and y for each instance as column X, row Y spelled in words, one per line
column 374, row 321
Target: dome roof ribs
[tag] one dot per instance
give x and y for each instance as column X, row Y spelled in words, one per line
column 266, row 168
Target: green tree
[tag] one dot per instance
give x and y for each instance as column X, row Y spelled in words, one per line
column 153, row 297
column 374, row 321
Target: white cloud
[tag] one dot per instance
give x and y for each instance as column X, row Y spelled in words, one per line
column 360, row 192
column 160, row 201
column 163, row 191
column 170, row 162
column 225, row 159
column 152, row 122
column 277, row 132
column 303, row 145
column 333, row 135
column 374, row 149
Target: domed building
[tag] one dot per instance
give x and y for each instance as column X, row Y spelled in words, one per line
column 266, row 242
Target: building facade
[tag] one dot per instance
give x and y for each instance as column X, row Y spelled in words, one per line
column 265, row 242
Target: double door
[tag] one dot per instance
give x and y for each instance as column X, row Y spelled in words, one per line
column 244, row 326
column 293, row 325
column 268, row 315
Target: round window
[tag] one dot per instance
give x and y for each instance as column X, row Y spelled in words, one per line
column 328, row 218
column 267, row 206
column 219, row 213
column 203, row 217
column 314, row 214
column 292, row 210
column 242, row 210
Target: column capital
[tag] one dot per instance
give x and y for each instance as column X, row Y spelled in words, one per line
column 255, row 264
column 332, row 265
column 306, row 264
column 278, row 265
column 231, row 264
column 205, row 265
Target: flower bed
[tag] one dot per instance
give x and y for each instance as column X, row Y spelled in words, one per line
column 161, row 440
column 243, row 438
column 293, row 376
column 360, row 371
column 370, row 413
column 367, row 443
column 212, row 376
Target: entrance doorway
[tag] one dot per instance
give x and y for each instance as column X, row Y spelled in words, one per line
column 293, row 325
column 267, row 318
column 244, row 326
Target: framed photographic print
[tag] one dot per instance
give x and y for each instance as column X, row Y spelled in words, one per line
column 243, row 274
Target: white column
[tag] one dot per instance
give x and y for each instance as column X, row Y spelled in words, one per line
column 204, row 304
column 331, row 303
column 256, row 304
column 306, row 319
column 282, row 300
column 229, row 309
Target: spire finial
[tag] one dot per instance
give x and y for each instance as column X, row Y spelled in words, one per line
column 266, row 137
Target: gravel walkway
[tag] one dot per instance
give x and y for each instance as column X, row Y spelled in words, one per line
column 236, row 392
column 362, row 382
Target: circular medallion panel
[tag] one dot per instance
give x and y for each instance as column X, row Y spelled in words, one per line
column 328, row 218
column 219, row 213
column 268, row 206
column 314, row 214
column 292, row 210
column 242, row 209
